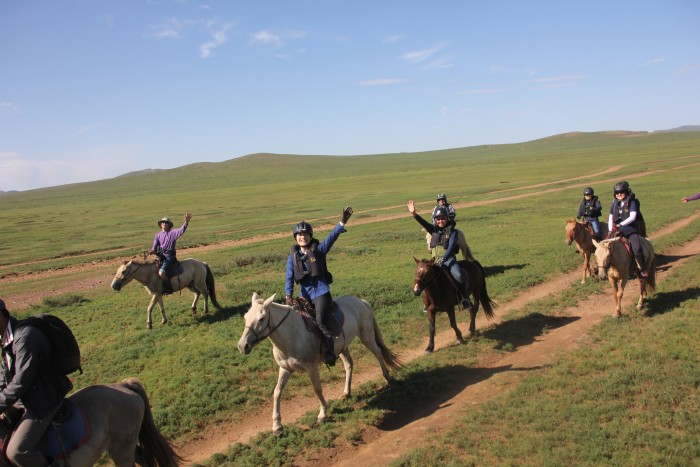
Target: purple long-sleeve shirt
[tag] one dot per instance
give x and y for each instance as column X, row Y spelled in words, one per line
column 166, row 241
column 694, row 197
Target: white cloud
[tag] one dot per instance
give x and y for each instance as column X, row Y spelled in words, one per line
column 481, row 91
column 654, row 61
column 219, row 38
column 20, row 173
column 83, row 129
column 421, row 55
column 392, row 39
column 8, row 108
column 265, row 37
column 380, row 82
column 553, row 79
column 171, row 29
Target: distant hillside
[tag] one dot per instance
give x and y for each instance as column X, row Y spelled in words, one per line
column 681, row 128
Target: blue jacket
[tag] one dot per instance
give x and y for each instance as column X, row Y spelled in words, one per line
column 312, row 286
column 29, row 377
column 452, row 247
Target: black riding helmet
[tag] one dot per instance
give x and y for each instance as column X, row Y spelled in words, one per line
column 588, row 191
column 622, row 187
column 440, row 211
column 302, row 227
column 441, row 196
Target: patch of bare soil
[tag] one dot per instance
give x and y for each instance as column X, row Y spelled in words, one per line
column 408, row 430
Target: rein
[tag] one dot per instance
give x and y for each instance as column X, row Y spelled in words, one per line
column 424, row 285
column 269, row 327
column 131, row 273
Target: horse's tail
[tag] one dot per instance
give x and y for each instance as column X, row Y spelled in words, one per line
column 651, row 271
column 210, row 287
column 463, row 247
column 153, row 449
column 486, row 302
column 390, row 358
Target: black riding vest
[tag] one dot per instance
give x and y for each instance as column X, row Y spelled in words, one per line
column 441, row 237
column 589, row 207
column 621, row 211
column 315, row 263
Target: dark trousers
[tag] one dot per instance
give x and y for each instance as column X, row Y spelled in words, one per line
column 323, row 306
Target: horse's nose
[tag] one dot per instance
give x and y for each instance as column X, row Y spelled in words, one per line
column 244, row 347
column 116, row 285
column 416, row 290
column 568, row 242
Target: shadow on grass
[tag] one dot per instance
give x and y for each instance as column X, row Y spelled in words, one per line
column 664, row 262
column 515, row 333
column 663, row 302
column 423, row 393
column 494, row 270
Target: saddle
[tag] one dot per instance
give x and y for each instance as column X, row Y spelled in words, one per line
column 68, row 431
column 174, row 270
column 336, row 318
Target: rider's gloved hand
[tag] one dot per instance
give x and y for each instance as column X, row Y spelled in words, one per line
column 439, row 262
column 347, row 212
column 288, row 300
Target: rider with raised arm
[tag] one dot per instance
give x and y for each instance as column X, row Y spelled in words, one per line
column 625, row 218
column 590, row 209
column 306, row 266
column 164, row 247
column 444, row 239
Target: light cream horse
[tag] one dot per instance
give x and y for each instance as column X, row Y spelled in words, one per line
column 196, row 276
column 614, row 262
column 581, row 233
column 296, row 349
column 461, row 242
column 120, row 423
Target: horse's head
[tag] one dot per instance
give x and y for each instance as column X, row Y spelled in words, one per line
column 257, row 322
column 424, row 274
column 603, row 254
column 570, row 228
column 123, row 275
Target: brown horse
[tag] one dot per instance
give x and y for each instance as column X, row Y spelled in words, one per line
column 439, row 294
column 581, row 233
column 121, row 423
column 614, row 261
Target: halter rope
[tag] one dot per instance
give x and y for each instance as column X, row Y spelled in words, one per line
column 272, row 329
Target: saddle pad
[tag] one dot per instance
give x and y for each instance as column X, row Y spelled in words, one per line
column 73, row 431
column 334, row 325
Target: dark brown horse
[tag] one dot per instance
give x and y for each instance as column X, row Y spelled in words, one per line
column 439, row 294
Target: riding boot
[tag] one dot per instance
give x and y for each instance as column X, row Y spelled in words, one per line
column 329, row 354
column 639, row 259
column 466, row 303
column 167, row 287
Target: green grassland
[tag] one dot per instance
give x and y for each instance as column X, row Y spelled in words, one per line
column 191, row 367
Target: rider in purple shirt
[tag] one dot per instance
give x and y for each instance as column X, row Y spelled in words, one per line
column 164, row 244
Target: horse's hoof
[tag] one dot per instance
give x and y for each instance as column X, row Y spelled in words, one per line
column 428, row 351
column 345, row 396
column 165, row 321
column 278, row 432
column 149, row 326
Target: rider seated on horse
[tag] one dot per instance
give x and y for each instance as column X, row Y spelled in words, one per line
column 164, row 247
column 451, row 213
column 590, row 209
column 445, row 247
column 27, row 353
column 306, row 266
column 626, row 220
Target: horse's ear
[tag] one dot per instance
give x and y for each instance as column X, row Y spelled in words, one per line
column 255, row 297
column 416, row 260
column 595, row 244
column 269, row 300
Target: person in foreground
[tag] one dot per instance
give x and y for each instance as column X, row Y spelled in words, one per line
column 444, row 239
column 29, row 381
column 164, row 247
column 306, row 266
column 624, row 219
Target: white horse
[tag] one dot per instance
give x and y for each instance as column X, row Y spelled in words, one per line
column 296, row 349
column 614, row 262
column 196, row 276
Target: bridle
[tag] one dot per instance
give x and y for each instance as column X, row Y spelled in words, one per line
column 269, row 327
column 131, row 271
column 433, row 277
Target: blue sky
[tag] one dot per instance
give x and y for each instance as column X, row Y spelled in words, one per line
column 91, row 89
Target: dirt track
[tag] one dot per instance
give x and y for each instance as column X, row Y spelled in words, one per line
column 380, row 447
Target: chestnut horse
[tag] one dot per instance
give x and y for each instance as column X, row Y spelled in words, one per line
column 439, row 294
column 581, row 233
column 614, row 261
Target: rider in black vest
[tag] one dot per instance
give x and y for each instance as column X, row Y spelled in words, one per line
column 590, row 209
column 624, row 219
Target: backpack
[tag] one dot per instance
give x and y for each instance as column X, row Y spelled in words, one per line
column 65, row 355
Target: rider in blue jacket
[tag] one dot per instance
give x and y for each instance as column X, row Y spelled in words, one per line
column 444, row 239
column 306, row 266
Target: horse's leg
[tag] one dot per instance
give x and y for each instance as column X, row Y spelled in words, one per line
column 642, row 292
column 163, row 318
column 155, row 298
column 369, row 340
column 453, row 323
column 347, row 364
column 194, row 302
column 619, row 291
column 282, row 378
column 318, row 390
column 586, row 261
column 431, row 331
